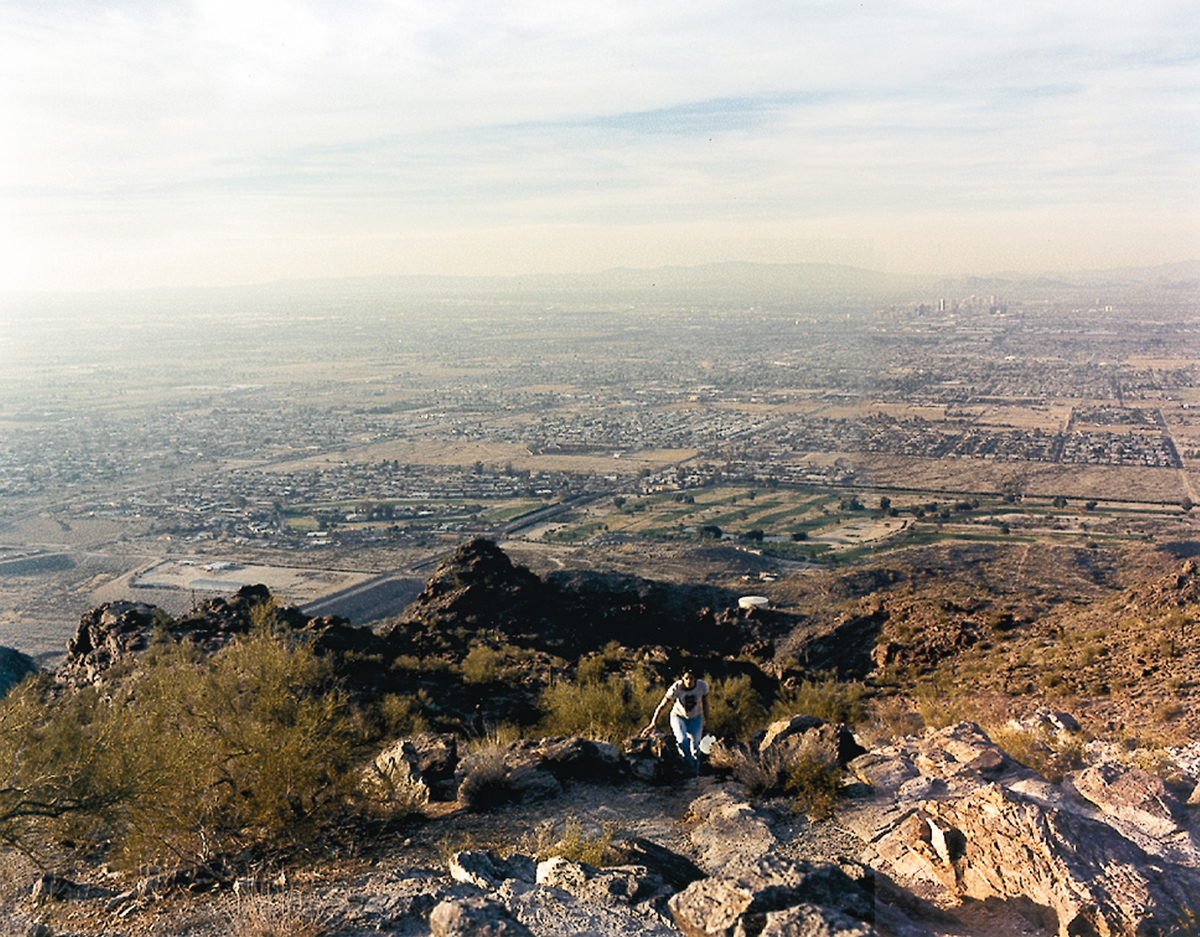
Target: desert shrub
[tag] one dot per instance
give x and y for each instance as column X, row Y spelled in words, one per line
column 830, row 700
column 612, row 710
column 735, row 709
column 488, row 783
column 891, row 718
column 758, row 774
column 264, row 618
column 452, row 842
column 1051, row 756
column 400, row 714
column 569, row 840
column 256, row 743
column 185, row 758
column 597, row 667
column 1167, row 711
column 482, row 665
column 495, row 736
column 815, row 785
column 58, row 772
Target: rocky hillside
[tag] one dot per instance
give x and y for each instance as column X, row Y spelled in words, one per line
column 1020, row 760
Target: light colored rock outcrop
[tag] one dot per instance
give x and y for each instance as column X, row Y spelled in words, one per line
column 956, row 817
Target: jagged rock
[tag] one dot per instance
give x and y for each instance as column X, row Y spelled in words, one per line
column 737, row 903
column 731, row 833
column 974, row 824
column 107, row 635
column 474, row 917
column 395, row 773
column 575, row 757
column 437, row 755
column 1094, row 879
column 569, row 613
column 883, row 771
column 117, row 632
column 485, row 869
column 1132, row 795
column 529, row 770
column 806, row 737
column 652, row 759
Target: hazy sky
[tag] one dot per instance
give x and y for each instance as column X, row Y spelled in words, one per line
column 238, row 141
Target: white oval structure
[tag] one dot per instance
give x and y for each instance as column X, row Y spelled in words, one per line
column 753, row 601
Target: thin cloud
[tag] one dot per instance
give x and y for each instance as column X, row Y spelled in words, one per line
column 194, row 121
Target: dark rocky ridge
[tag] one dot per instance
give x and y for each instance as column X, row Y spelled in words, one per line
column 476, row 596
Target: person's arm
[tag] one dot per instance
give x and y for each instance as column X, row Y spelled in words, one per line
column 704, row 711
column 657, row 711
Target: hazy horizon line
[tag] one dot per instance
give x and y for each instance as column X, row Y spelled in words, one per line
column 582, row 275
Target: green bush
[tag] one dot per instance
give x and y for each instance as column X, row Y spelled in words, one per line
column 401, row 714
column 482, row 665
column 816, row 786
column 735, row 710
column 597, row 667
column 187, row 757
column 613, row 710
column 830, row 700
column 570, row 841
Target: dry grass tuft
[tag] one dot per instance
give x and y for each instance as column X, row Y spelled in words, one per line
column 278, row 915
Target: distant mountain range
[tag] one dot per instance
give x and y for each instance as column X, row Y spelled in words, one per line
column 737, row 281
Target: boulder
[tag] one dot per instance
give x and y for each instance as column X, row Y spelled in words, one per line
column 395, row 774
column 504, row 776
column 729, row 832
column 1095, row 880
column 106, row 635
column 738, row 903
column 437, row 755
column 1132, row 795
column 652, row 759
column 474, row 917
column 485, row 869
column 676, row 871
column 807, row 920
column 974, row 824
column 618, row 884
column 578, row 758
column 808, row 738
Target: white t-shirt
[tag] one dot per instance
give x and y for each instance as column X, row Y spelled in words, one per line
column 687, row 702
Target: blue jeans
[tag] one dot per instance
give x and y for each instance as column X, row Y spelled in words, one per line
column 687, row 738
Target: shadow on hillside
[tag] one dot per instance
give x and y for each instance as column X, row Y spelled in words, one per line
column 1181, row 549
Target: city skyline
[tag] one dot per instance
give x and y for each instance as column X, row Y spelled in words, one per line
column 212, row 143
